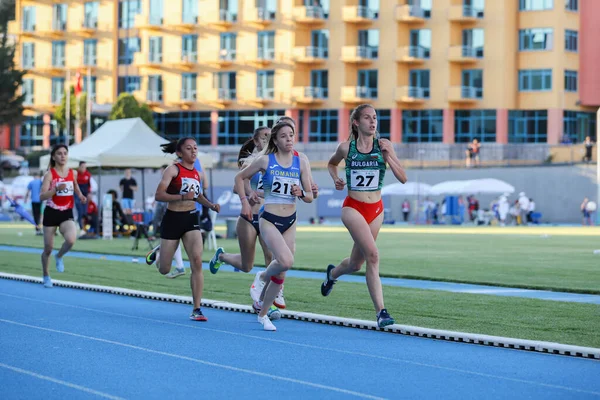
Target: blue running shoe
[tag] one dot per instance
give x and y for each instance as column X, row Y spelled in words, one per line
column 384, row 319
column 327, row 285
column 47, row 282
column 215, row 263
column 60, row 266
column 274, row 314
column 198, row 316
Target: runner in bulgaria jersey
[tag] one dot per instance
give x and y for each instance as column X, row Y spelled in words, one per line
column 362, row 212
column 180, row 188
column 284, row 176
column 58, row 188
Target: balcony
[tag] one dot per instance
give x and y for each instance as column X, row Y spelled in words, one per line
column 187, row 97
column 464, row 54
column 29, row 101
column 87, row 27
column 309, row 55
column 151, row 60
column 187, row 23
column 58, row 28
column 411, row 94
column 309, row 15
column 187, row 61
column 154, row 97
column 464, row 14
column 54, row 67
column 358, row 15
column 226, row 57
column 358, row 94
column 220, row 18
column 260, row 16
column 359, row 54
column 264, row 95
column 463, row 94
column 410, row 14
column 309, row 95
column 412, row 54
column 264, row 56
column 224, row 96
column 149, row 22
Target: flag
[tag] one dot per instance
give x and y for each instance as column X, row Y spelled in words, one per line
column 20, row 210
column 78, row 87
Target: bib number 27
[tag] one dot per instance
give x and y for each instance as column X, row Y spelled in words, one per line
column 365, row 180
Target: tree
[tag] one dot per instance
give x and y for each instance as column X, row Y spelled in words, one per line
column 11, row 78
column 60, row 115
column 128, row 107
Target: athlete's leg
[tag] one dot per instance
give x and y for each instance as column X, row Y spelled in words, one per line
column 178, row 258
column 167, row 250
column 48, row 245
column 68, row 230
column 247, row 239
column 266, row 252
column 192, row 241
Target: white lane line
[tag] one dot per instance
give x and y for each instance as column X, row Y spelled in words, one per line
column 64, row 383
column 320, row 348
column 199, row 361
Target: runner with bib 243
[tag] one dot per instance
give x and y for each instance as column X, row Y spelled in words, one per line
column 366, row 157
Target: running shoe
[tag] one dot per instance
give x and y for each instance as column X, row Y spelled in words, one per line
column 60, row 265
column 328, row 283
column 47, row 282
column 175, row 273
column 257, row 306
column 257, row 287
column 384, row 319
column 198, row 316
column 274, row 314
column 266, row 323
column 280, row 300
column 215, row 263
column 151, row 256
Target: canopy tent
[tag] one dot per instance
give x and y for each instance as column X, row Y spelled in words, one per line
column 406, row 189
column 124, row 143
column 473, row 186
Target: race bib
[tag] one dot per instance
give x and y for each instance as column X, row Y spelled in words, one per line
column 190, row 185
column 67, row 191
column 282, row 186
column 260, row 184
column 364, row 179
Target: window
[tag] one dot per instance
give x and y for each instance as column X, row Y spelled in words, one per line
column 58, row 53
column 27, row 90
column 474, row 124
column 155, row 54
column 528, row 126
column 368, row 39
column 129, row 84
column 226, row 85
column 28, row 19
column 319, row 81
column 28, row 55
column 319, row 40
column 472, row 41
column 189, row 48
column 156, row 12
column 228, row 46
column 155, row 88
column 235, row 127
column 228, row 10
column 571, row 40
column 535, row 5
column 572, row 5
column 92, row 88
column 90, row 12
column 265, row 84
column 367, row 83
column 368, row 9
column 577, row 125
column 175, row 125
column 532, row 80
column 59, row 17
column 384, row 122
column 266, row 45
column 32, row 130
column 323, row 125
column 89, row 52
column 536, row 39
column 418, row 82
column 58, row 90
column 473, row 8
column 267, row 9
column 190, row 12
column 472, row 83
column 317, row 8
column 570, row 81
column 420, row 39
column 127, row 48
column 422, row 126
column 420, row 8
column 128, row 9
column 188, row 87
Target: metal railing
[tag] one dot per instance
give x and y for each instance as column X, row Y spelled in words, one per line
column 154, row 96
column 226, row 94
column 266, row 53
column 265, row 93
column 227, row 54
column 188, row 95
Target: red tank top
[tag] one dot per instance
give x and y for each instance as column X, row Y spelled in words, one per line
column 63, row 199
column 185, row 181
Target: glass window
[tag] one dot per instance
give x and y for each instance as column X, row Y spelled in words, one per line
column 528, row 126
column 156, row 12
column 577, row 125
column 570, row 81
column 226, row 85
column 266, row 45
column 155, row 54
column 90, row 12
column 319, row 40
column 59, row 17
column 368, row 39
column 155, row 88
column 473, row 42
column 27, row 90
column 28, row 20
column 572, row 5
column 128, row 9
column 422, row 126
column 418, row 81
column 228, row 10
column 189, row 48
column 319, row 80
column 235, row 127
column 420, row 7
column 89, row 52
column 58, row 90
column 421, row 40
column 535, row 5
column 474, row 124
column 473, row 78
column 92, row 88
column 127, row 48
column 188, row 87
column 531, row 80
column 571, row 40
column 129, row 84
column 384, row 122
column 367, row 83
column 536, row 39
column 58, row 53
column 190, row 12
column 265, row 84
column 176, row 125
column 228, row 46
column 28, row 55
column 323, row 125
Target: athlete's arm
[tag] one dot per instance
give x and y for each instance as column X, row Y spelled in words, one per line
column 204, row 181
column 258, row 165
column 77, row 190
column 313, row 186
column 389, row 156
column 161, row 191
column 45, row 192
column 206, row 203
column 305, row 179
column 340, row 153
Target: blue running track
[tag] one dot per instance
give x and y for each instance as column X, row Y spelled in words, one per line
column 64, row 343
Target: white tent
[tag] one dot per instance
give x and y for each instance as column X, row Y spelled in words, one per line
column 406, row 189
column 124, row 143
column 473, row 186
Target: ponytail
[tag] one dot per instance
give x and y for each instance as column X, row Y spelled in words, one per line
column 246, row 150
column 175, row 146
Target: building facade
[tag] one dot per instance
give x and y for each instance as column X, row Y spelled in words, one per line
column 448, row 71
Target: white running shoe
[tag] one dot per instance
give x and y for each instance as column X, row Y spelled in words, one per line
column 279, row 300
column 266, row 323
column 257, row 287
column 257, row 306
column 175, row 273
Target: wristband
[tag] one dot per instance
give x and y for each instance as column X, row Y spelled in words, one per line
column 243, row 197
column 303, row 195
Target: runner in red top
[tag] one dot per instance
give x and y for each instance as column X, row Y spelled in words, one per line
column 58, row 188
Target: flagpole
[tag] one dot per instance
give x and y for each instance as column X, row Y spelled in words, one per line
column 88, row 124
column 77, row 120
column 68, row 101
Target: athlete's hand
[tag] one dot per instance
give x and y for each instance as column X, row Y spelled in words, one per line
column 60, row 187
column 246, row 210
column 386, row 146
column 216, row 207
column 83, row 199
column 315, row 190
column 297, row 191
column 191, row 195
column 253, row 198
column 339, row 184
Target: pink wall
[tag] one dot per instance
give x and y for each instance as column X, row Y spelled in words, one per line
column 589, row 52
column 343, row 121
column 306, row 127
column 4, row 136
column 293, row 114
column 555, row 125
column 46, row 131
column 396, row 126
column 214, row 128
column 448, row 135
column 502, row 126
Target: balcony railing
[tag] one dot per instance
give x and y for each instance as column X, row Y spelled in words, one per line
column 59, row 26
column 460, row 13
column 309, row 94
column 411, row 94
column 189, row 57
column 154, row 96
column 188, row 95
column 412, row 54
column 358, row 93
column 463, row 94
column 261, row 14
column 358, row 14
column 310, row 54
column 309, row 14
column 227, row 16
column 266, row 54
column 411, row 13
column 265, row 93
column 359, row 53
column 227, row 55
column 226, row 94
column 465, row 53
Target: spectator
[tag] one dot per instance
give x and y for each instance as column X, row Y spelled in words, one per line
column 473, row 207
column 118, row 216
column 589, row 145
column 84, row 179
column 92, row 214
column 587, row 215
column 33, row 190
column 128, row 186
column 523, row 207
column 473, row 153
column 405, row 209
column 503, row 208
column 461, row 209
column 530, row 210
column 159, row 210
